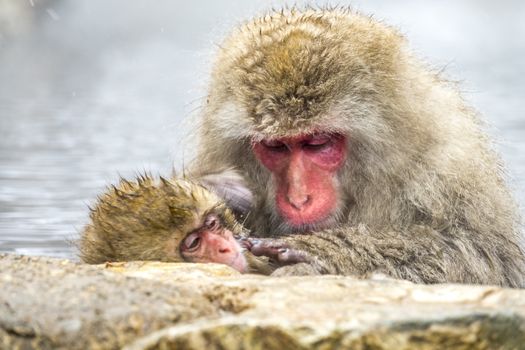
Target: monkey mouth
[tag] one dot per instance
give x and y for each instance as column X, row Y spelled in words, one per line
column 310, row 218
column 238, row 262
column 301, row 224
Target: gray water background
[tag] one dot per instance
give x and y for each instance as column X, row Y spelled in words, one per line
column 94, row 89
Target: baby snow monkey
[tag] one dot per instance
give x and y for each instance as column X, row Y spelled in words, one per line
column 173, row 220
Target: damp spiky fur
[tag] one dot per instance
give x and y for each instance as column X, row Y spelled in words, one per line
column 146, row 219
column 422, row 190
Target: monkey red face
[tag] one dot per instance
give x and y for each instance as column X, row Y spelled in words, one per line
column 304, row 169
column 213, row 243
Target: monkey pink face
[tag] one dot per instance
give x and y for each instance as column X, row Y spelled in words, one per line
column 213, row 243
column 304, row 169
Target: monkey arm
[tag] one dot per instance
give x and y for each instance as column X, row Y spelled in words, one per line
column 231, row 187
column 420, row 254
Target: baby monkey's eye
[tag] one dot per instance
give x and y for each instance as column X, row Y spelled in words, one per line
column 192, row 242
column 212, row 222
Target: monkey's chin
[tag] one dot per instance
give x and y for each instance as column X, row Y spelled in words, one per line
column 287, row 227
column 239, row 263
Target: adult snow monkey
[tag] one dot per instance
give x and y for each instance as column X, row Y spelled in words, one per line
column 358, row 157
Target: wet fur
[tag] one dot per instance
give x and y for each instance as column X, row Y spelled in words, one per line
column 423, row 194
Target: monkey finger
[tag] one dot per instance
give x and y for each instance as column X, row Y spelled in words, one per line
column 267, row 247
column 289, row 256
column 245, row 243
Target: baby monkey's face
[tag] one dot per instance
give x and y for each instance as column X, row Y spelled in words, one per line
column 213, row 242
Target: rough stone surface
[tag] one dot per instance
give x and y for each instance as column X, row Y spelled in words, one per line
column 57, row 304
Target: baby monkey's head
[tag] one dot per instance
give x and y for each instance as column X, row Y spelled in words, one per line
column 173, row 220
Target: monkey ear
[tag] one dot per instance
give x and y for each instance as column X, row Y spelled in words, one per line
column 230, row 186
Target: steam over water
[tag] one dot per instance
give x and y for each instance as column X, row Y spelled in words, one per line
column 94, row 89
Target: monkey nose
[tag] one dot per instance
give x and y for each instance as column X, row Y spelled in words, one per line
column 298, row 201
column 224, row 250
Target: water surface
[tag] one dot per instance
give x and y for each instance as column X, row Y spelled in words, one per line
column 90, row 90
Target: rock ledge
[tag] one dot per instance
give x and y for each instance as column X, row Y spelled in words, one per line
column 49, row 303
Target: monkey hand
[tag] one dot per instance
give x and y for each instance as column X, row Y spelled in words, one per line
column 292, row 255
column 244, row 242
column 288, row 255
column 278, row 251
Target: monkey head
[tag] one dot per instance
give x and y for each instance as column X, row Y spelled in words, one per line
column 166, row 220
column 293, row 96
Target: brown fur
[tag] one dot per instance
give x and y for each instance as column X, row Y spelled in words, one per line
column 147, row 219
column 423, row 193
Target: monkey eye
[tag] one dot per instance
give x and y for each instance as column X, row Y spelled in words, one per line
column 211, row 222
column 192, row 242
column 274, row 145
column 317, row 143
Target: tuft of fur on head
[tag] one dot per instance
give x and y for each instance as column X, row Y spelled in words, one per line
column 416, row 152
column 146, row 219
column 282, row 72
